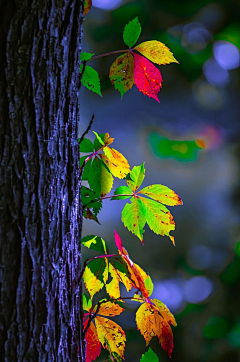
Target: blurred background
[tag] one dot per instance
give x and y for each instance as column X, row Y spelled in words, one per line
column 190, row 143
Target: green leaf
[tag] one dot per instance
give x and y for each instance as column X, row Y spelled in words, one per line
column 87, row 303
column 99, row 138
column 86, row 56
column 133, row 217
column 119, row 264
column 99, row 178
column 122, row 190
column 132, row 32
column 158, row 217
column 86, row 146
column 162, row 194
column 98, row 268
column 121, row 73
column 86, row 167
column 137, row 175
column 149, row 356
column 90, row 79
column 95, row 243
column 149, row 285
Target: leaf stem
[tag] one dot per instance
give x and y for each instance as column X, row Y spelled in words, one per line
column 110, row 196
column 109, row 53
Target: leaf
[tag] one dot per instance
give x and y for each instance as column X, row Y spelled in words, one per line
column 138, row 276
column 121, row 73
column 156, row 320
column 147, row 77
column 137, row 176
column 96, row 275
column 112, row 288
column 89, row 199
column 149, row 356
column 111, row 335
column 84, row 56
column 90, row 79
column 149, row 285
column 99, row 138
column 86, row 167
column 122, row 190
column 88, row 214
column 93, row 345
column 132, row 32
column 99, row 178
column 109, row 309
column 133, row 217
column 158, row 217
column 116, row 162
column 162, row 194
column 87, row 303
column 87, row 4
column 95, row 243
column 156, row 51
column 86, row 146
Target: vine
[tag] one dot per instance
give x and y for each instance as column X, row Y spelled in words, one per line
column 98, row 167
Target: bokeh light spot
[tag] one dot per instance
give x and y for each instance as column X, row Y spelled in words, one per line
column 107, row 4
column 197, row 289
column 226, row 54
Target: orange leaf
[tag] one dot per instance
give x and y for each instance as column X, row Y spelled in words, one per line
column 109, row 309
column 147, row 77
column 87, row 6
column 153, row 318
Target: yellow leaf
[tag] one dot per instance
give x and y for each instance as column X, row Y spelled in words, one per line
column 162, row 194
column 92, row 283
column 156, row 51
column 109, row 309
column 107, row 139
column 116, row 162
column 112, row 288
column 111, row 335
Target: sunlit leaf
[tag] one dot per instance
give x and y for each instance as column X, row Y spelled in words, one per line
column 95, row 275
column 133, row 217
column 158, row 217
column 162, row 194
column 122, row 191
column 90, row 79
column 99, row 178
column 87, row 303
column 147, row 77
column 121, row 73
column 93, row 345
column 95, row 243
column 116, row 162
column 156, row 320
column 119, row 274
column 137, row 176
column 109, row 309
column 156, row 51
column 99, row 138
column 149, row 285
column 132, row 32
column 111, row 335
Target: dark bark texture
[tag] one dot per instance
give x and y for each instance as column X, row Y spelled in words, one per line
column 40, row 211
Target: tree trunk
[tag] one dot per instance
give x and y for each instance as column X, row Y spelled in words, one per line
column 40, row 211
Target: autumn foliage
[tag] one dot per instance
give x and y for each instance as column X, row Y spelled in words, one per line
column 99, row 166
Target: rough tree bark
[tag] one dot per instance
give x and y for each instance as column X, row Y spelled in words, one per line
column 40, row 229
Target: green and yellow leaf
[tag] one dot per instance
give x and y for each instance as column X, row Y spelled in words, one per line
column 116, row 162
column 161, row 194
column 95, row 243
column 121, row 73
column 99, row 178
column 124, row 192
column 137, row 176
column 133, row 217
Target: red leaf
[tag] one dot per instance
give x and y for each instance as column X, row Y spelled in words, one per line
column 93, row 348
column 147, row 77
column 118, row 242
